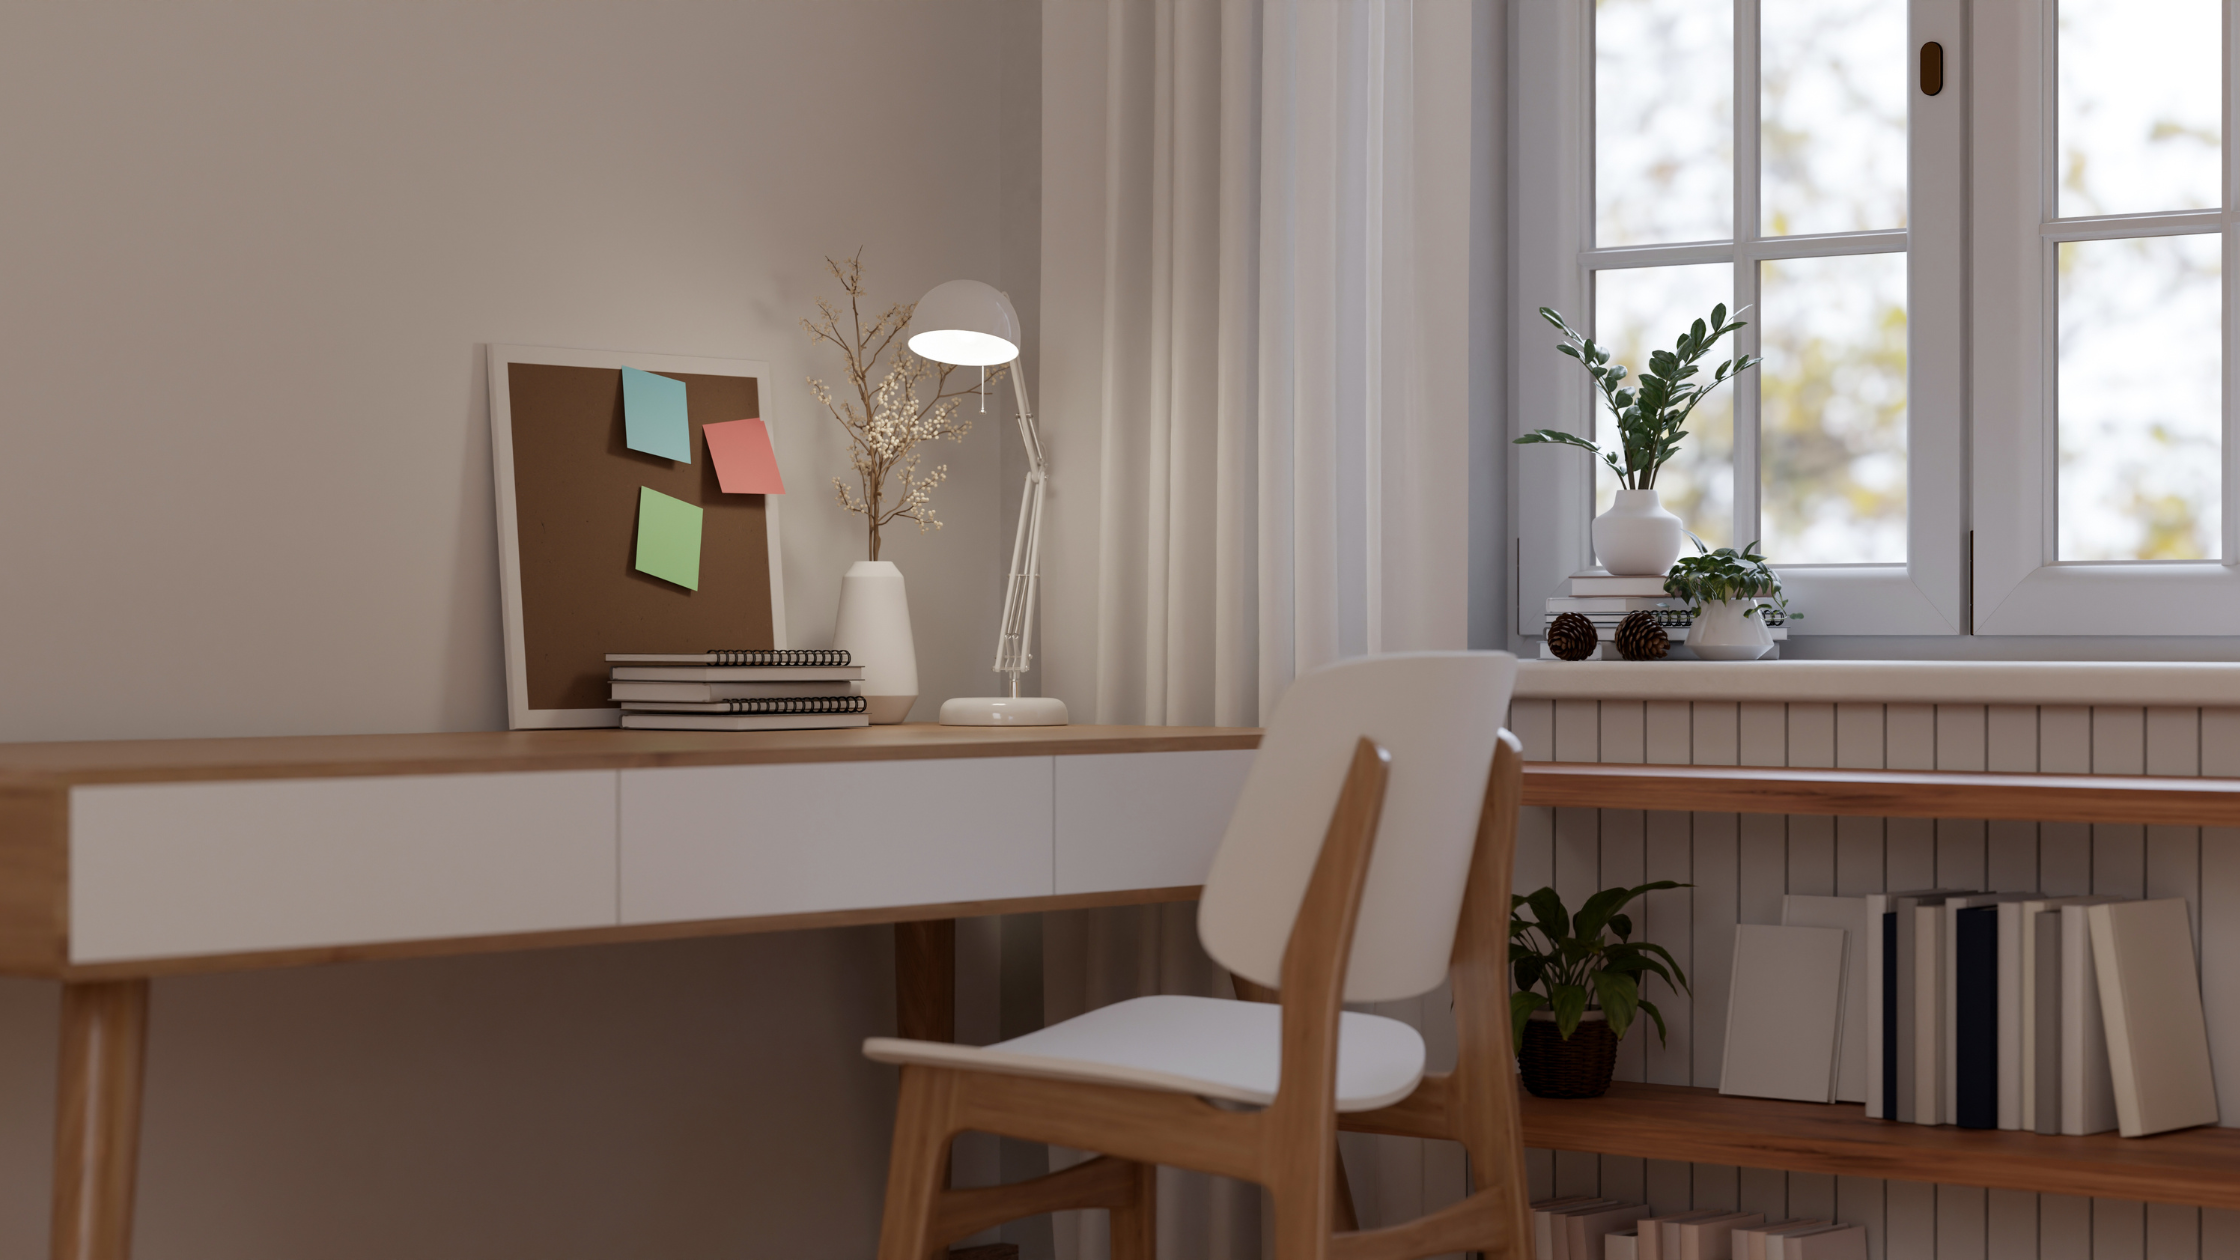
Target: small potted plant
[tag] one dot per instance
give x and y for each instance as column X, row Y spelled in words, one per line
column 1637, row 536
column 1578, row 981
column 1724, row 589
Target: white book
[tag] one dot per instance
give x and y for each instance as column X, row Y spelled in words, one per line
column 1784, row 1013
column 1599, row 582
column 1653, row 1237
column 1849, row 914
column 2045, row 1024
column 737, row 673
column 2088, row 1097
column 2028, row 1053
column 1895, row 1001
column 2150, row 1002
column 1712, row 1238
column 1948, row 1053
column 1928, row 1014
column 1543, row 1222
column 1583, row 1230
column 742, row 721
column 1837, row 1242
column 1623, row 1246
column 1781, row 1243
column 1613, row 603
column 1750, row 1242
column 710, row 692
column 1559, row 1238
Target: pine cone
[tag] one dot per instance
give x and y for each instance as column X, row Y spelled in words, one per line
column 1640, row 638
column 1571, row 637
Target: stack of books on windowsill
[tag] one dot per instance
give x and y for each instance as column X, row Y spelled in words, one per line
column 1606, row 601
column 741, row 689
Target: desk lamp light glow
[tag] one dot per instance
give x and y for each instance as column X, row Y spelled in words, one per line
column 971, row 324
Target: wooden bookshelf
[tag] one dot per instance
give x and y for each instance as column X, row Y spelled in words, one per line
column 2187, row 802
column 2195, row 1167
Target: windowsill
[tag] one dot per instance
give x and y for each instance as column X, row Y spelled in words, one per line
column 2186, row 684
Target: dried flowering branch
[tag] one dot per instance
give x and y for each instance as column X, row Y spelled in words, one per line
column 888, row 419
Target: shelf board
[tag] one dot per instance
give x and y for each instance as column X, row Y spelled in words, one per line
column 2186, row 802
column 2195, row 1167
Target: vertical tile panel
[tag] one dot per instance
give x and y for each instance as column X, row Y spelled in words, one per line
column 1859, row 736
column 1717, row 1186
column 1716, row 733
column 1960, row 1224
column 1858, row 856
column 2220, row 743
column 1812, row 735
column 1859, row 1201
column 1670, row 921
column 1624, row 1178
column 2119, row 859
column 2174, row 853
column 1622, row 866
column 1910, row 737
column 1963, row 738
column 2064, row 739
column 1578, row 1173
column 1763, row 1190
column 2010, row 738
column 1536, row 849
column 2011, row 1225
column 1578, row 855
column 2119, row 739
column 2064, row 849
column 1812, row 855
column 1666, row 726
column 2220, row 972
column 2011, row 855
column 2173, row 1232
column 1764, row 734
column 1813, row 1196
column 1762, row 874
column 2173, row 742
column 1540, row 1174
column 1534, row 724
column 2064, row 1227
column 1909, row 853
column 1909, row 1216
column 1578, row 730
column 2119, row 1230
column 1671, row 1187
column 1622, row 731
column 1961, row 854
column 1716, row 913
column 2220, row 1234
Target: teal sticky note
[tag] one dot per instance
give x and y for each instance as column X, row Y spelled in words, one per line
column 653, row 416
column 668, row 538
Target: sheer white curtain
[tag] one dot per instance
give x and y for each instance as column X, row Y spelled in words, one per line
column 1256, row 249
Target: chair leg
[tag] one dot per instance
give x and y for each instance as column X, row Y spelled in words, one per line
column 1135, row 1228
column 917, row 1169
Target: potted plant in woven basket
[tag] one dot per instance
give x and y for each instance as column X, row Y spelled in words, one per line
column 1578, row 980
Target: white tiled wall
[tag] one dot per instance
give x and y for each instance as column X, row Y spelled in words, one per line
column 1740, row 865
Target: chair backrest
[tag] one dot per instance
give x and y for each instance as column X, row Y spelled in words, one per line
column 1438, row 714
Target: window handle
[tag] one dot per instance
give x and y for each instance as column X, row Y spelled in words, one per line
column 1932, row 68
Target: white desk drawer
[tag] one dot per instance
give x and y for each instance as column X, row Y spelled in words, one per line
column 720, row 842
column 1143, row 820
column 163, row 869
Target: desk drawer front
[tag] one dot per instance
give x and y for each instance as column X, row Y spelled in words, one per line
column 1143, row 820
column 167, row 869
column 721, row 842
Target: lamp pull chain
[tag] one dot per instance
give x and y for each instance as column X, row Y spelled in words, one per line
column 983, row 389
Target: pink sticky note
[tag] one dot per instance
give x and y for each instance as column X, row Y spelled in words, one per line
column 745, row 464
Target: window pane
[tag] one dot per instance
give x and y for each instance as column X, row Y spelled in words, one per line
column 1639, row 310
column 1832, row 410
column 2141, row 420
column 2140, row 85
column 1663, row 121
column 1832, row 127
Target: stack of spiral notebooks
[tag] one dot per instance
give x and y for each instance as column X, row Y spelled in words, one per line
column 737, row 689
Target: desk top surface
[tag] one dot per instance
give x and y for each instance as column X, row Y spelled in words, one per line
column 51, row 765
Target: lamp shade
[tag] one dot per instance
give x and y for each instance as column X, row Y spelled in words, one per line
column 967, row 323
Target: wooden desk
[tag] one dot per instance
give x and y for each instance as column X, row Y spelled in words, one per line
column 125, row 861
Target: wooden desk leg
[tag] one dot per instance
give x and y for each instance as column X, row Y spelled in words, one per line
column 97, row 1118
column 925, row 980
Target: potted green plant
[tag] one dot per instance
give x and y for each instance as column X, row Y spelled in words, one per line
column 1724, row 589
column 1578, row 979
column 1637, row 536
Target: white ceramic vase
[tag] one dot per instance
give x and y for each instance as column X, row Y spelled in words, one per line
column 874, row 627
column 1637, row 537
column 1723, row 633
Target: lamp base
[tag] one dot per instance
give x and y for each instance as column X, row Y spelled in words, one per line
column 1003, row 711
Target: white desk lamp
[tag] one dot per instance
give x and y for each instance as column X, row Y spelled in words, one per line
column 971, row 324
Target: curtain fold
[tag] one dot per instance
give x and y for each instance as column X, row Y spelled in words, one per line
column 1255, row 336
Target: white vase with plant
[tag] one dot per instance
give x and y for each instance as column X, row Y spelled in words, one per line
column 1637, row 536
column 1734, row 598
column 892, row 413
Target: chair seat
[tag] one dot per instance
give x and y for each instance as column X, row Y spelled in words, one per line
column 1186, row 1045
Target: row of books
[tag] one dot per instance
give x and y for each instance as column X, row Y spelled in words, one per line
column 737, row 689
column 1607, row 601
column 1582, row 1228
column 2015, row 1010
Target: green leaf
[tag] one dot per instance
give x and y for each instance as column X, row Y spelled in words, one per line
column 1548, row 912
column 1521, row 1007
column 1527, row 970
column 1570, row 1003
column 1621, row 925
column 1654, row 1014
column 1618, row 995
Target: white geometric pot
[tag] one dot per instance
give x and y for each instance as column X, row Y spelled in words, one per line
column 874, row 627
column 1637, row 537
column 1723, row 633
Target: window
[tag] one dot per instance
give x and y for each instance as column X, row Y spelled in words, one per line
column 1773, row 154
column 2102, row 467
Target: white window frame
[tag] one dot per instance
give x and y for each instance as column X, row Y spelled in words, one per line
column 1551, row 264
column 2021, row 588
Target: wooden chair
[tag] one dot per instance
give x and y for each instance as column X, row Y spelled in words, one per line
column 1369, row 855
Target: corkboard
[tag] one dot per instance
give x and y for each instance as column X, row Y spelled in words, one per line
column 568, row 497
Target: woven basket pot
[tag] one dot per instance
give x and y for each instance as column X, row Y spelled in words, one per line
column 1578, row 1068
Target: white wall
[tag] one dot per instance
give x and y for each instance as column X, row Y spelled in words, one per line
column 249, row 255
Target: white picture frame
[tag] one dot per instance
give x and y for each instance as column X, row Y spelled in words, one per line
column 501, row 358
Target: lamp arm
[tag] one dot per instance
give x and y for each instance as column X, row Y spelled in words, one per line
column 1014, row 641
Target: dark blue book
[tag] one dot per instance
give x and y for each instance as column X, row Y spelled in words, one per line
column 1889, row 1016
column 1975, row 950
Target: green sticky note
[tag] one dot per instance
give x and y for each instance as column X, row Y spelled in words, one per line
column 654, row 419
column 668, row 538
